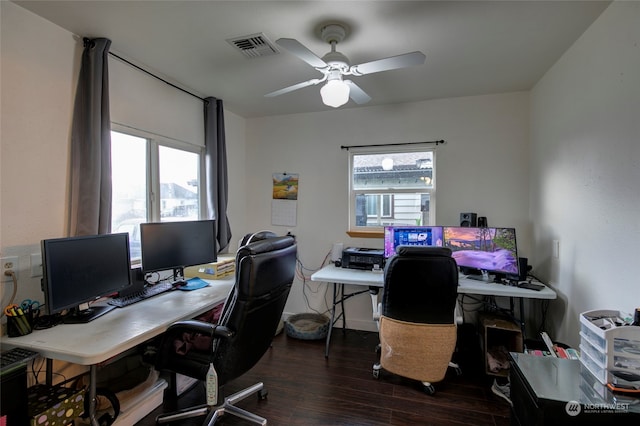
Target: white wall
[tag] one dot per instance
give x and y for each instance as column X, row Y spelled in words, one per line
column 39, row 69
column 483, row 168
column 585, row 170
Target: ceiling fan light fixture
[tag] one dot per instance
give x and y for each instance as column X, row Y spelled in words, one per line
column 335, row 93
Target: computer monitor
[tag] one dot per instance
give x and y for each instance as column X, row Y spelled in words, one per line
column 78, row 270
column 410, row 236
column 475, row 250
column 175, row 245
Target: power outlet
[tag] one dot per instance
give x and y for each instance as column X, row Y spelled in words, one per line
column 9, row 263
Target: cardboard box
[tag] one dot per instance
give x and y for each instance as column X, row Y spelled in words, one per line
column 54, row 405
column 223, row 268
column 500, row 333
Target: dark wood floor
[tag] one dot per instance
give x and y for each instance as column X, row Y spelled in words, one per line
column 305, row 388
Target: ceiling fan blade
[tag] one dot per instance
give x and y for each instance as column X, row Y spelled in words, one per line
column 356, row 93
column 294, row 87
column 392, row 63
column 295, row 47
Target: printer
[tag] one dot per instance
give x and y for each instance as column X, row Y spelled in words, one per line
column 362, row 258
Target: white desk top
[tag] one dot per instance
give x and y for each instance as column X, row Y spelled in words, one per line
column 333, row 274
column 122, row 328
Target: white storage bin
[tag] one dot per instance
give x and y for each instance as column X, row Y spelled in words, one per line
column 599, row 372
column 595, row 353
column 608, row 346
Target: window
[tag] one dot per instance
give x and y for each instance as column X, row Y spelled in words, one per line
column 153, row 180
column 391, row 188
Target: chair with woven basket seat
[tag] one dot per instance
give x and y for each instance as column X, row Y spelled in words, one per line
column 417, row 323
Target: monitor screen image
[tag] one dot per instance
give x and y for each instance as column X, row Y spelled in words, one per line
column 395, row 236
column 483, row 249
column 78, row 270
column 174, row 245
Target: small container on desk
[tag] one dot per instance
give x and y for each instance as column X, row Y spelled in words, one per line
column 608, row 345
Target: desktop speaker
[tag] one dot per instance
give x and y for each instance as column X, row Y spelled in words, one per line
column 468, row 219
column 336, row 252
column 482, row 222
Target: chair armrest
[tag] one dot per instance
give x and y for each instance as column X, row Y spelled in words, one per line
column 196, row 326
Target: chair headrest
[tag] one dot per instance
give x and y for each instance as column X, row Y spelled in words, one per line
column 256, row 236
column 266, row 245
column 423, row 251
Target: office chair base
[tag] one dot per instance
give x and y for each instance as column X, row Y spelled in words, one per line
column 215, row 411
column 427, row 387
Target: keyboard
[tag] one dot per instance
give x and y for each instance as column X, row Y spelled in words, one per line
column 144, row 294
column 15, row 357
column 531, row 286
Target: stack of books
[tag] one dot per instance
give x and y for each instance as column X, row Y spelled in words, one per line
column 554, row 350
column 223, row 268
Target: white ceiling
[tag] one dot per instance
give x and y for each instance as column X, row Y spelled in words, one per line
column 472, row 47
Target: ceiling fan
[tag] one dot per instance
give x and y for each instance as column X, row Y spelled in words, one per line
column 334, row 66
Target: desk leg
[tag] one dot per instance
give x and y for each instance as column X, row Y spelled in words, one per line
column 93, row 377
column 524, row 336
column 49, row 373
column 343, row 312
column 374, row 305
column 333, row 318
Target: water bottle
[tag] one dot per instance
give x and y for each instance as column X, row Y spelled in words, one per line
column 212, row 386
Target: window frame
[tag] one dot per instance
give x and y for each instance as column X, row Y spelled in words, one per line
column 378, row 231
column 154, row 142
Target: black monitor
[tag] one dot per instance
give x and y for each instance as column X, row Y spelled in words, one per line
column 394, row 236
column 477, row 250
column 78, row 270
column 174, row 245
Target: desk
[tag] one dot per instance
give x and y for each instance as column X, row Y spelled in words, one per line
column 339, row 276
column 120, row 330
column 375, row 281
column 549, row 390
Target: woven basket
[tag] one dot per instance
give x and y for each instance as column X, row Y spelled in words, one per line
column 307, row 326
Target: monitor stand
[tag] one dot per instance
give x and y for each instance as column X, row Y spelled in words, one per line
column 475, row 274
column 478, row 277
column 77, row 316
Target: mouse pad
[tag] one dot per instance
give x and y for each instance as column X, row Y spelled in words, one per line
column 194, row 284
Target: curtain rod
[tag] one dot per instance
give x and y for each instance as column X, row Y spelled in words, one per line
column 439, row 142
column 156, row 77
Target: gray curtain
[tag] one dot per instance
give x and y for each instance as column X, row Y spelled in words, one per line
column 90, row 186
column 216, row 169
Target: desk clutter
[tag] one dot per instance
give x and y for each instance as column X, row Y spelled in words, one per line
column 610, row 348
column 54, row 405
column 223, row 268
column 20, row 318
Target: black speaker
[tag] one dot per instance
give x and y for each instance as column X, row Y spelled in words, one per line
column 482, row 222
column 468, row 219
column 523, row 267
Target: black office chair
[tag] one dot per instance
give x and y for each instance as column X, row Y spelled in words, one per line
column 418, row 328
column 265, row 270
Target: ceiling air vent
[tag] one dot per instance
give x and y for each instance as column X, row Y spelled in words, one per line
column 254, row 45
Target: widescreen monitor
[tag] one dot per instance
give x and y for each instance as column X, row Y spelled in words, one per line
column 78, row 270
column 475, row 250
column 394, row 236
column 175, row 245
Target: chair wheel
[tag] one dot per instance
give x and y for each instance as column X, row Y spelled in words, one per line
column 262, row 394
column 429, row 389
column 376, row 371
